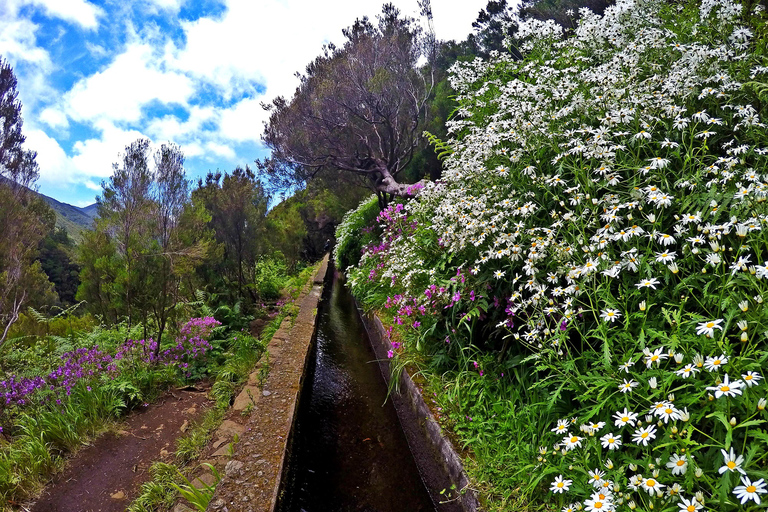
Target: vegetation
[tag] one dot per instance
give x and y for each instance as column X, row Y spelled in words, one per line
column 585, row 283
column 359, row 108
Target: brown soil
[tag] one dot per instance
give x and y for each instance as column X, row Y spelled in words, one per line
column 106, row 476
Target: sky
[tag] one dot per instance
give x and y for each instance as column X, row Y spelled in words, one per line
column 94, row 76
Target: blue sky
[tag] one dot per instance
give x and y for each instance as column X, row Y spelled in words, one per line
column 96, row 75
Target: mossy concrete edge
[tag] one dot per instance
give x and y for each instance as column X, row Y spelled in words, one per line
column 252, row 477
column 439, row 463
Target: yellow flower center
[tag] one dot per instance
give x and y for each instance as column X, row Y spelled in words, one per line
column 654, row 358
column 691, row 508
column 751, row 489
column 717, row 362
column 574, row 439
column 668, row 410
column 650, row 482
column 560, row 484
column 730, row 464
column 710, row 325
column 625, row 419
column 681, row 462
column 644, row 435
column 748, row 377
column 598, row 505
column 725, row 388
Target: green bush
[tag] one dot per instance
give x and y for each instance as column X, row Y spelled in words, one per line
column 354, row 233
column 270, row 276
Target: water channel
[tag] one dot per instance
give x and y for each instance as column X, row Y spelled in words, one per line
column 348, row 452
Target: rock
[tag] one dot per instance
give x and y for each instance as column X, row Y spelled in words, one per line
column 185, row 426
column 192, row 410
column 180, row 507
column 229, row 429
column 219, row 442
column 266, row 393
column 247, row 397
column 224, row 451
column 233, row 467
column 163, row 452
column 119, row 495
column 204, row 480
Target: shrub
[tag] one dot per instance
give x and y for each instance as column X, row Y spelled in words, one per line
column 351, row 235
column 602, row 215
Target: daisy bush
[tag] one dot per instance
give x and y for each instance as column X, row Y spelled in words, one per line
column 601, row 220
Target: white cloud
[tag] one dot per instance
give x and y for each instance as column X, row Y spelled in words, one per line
column 80, row 12
column 55, row 165
column 54, row 118
column 168, row 5
column 251, row 52
column 243, row 122
column 132, row 81
column 170, row 128
column 221, row 150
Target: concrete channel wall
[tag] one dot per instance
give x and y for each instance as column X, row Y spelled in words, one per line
column 255, row 442
column 438, row 462
column 251, row 478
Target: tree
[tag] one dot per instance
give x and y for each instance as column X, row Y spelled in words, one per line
column 148, row 238
column 564, row 12
column 359, row 108
column 125, row 208
column 24, row 219
column 493, row 25
column 237, row 204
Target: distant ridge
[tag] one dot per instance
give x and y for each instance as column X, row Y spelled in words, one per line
column 73, row 219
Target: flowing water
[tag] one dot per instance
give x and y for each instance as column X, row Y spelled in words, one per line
column 348, row 453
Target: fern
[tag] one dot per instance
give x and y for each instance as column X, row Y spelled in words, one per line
column 443, row 149
column 760, row 88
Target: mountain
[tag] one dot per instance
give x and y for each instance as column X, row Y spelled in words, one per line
column 71, row 218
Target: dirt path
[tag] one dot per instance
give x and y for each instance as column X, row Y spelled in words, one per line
column 106, row 476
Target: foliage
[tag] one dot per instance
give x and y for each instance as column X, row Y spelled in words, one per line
column 358, row 108
column 600, row 226
column 24, row 217
column 147, row 242
column 200, row 496
column 48, row 409
column 56, row 256
column 353, row 234
column 237, row 204
column 157, row 494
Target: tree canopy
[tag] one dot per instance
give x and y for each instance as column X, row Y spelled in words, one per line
column 359, row 108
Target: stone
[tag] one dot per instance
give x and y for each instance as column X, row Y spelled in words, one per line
column 249, row 396
column 266, row 393
column 180, row 507
column 119, row 495
column 204, row 480
column 184, row 426
column 219, row 442
column 233, row 467
column 224, row 451
column 229, row 428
